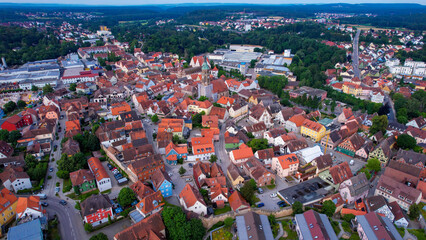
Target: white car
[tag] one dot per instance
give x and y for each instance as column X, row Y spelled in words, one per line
column 273, row 195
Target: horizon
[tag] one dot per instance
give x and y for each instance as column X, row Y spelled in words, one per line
column 205, row 2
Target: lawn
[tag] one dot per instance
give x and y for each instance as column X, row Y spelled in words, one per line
column 67, row 185
column 335, row 226
column 272, row 186
column 83, row 196
column 346, row 227
column 222, row 234
column 401, row 231
column 219, row 211
column 292, row 235
column 419, row 233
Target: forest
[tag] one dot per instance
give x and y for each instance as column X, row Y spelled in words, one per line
column 20, row 45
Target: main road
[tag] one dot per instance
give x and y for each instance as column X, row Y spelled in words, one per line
column 355, row 55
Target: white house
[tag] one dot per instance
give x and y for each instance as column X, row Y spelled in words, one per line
column 102, row 178
column 191, row 200
column 29, row 207
column 285, row 165
column 15, row 179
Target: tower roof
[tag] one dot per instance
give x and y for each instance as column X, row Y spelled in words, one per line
column 205, row 64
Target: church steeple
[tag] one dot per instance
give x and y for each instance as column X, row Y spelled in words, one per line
column 205, row 72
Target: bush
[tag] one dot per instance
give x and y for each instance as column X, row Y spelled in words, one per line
column 88, row 227
column 77, row 206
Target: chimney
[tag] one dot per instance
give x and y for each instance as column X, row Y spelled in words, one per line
column 4, row 62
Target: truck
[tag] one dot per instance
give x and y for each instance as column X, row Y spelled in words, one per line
column 42, row 196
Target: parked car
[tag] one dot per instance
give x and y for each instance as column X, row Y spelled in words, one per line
column 63, row 202
column 190, row 165
column 280, row 202
column 260, row 190
column 273, row 195
column 170, row 174
column 352, row 162
column 109, row 166
column 50, row 169
column 259, row 205
column 115, row 171
column 57, row 189
column 44, row 204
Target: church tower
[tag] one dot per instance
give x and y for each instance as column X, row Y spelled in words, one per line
column 205, row 88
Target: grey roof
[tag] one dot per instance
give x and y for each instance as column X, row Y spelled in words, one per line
column 254, row 226
column 384, row 226
column 411, row 157
column 359, row 185
column 306, row 192
column 29, row 230
column 321, row 220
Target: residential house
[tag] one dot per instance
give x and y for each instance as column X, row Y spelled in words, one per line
column 365, row 150
column 151, row 227
column 411, row 157
column 416, row 133
column 174, row 126
column 345, row 115
column 372, row 226
column 235, row 176
column 253, row 168
column 313, row 130
column 15, row 179
column 202, row 148
column 175, row 153
column 29, row 207
column 238, row 109
column 313, row 225
column 82, row 181
column 378, row 204
column 191, row 200
column 382, row 152
column 102, row 178
column 150, row 204
column 70, row 147
column 28, row 230
column 237, row 202
column 323, row 162
column 285, row 165
column 208, row 174
column 265, row 156
column 15, row 122
column 49, row 112
column 162, row 182
column 260, row 114
column 419, row 122
column 6, row 150
column 400, row 219
column 332, row 140
column 240, row 155
column 284, row 115
column 354, row 188
column 253, row 226
column 272, row 134
column 351, row 145
column 225, row 101
column 8, row 203
column 295, row 123
column 142, row 169
column 340, row 172
column 257, row 129
column 96, row 209
column 393, row 190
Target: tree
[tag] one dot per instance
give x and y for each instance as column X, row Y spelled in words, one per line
column 373, row 164
column 182, row 170
column 258, row 144
column 406, row 141
column 73, row 86
column 155, row 118
column 34, row 88
column 126, row 197
column 9, row 107
column 328, row 208
column 203, row 98
column 88, row 227
column 297, row 207
column 250, row 135
column 380, row 123
column 4, row 135
column 248, row 190
column 63, row 174
column 21, row 104
column 178, row 227
column 414, row 211
column 47, row 89
column 14, row 136
column 99, row 236
column 228, row 222
column 213, row 158
column 348, row 217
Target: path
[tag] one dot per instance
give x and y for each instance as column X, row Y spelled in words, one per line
column 409, row 236
column 281, row 232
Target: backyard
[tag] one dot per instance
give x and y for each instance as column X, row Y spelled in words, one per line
column 221, row 234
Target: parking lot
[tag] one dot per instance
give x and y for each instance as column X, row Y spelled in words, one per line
column 115, row 187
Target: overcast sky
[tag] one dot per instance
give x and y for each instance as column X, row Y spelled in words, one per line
column 150, row 2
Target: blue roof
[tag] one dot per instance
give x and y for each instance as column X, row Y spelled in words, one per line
column 29, row 230
column 136, row 216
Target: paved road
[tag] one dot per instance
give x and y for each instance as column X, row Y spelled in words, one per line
column 392, row 114
column 70, row 223
column 220, row 151
column 355, row 55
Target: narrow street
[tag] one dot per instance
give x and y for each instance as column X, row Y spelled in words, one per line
column 355, row 55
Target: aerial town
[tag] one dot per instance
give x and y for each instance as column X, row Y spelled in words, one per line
column 239, row 126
